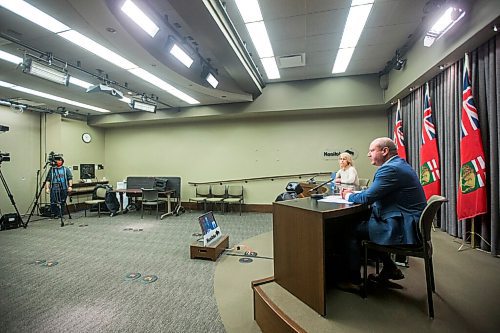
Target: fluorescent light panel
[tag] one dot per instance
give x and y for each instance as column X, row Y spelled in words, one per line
column 271, row 68
column 141, row 19
column 249, row 10
column 10, row 58
column 182, row 56
column 342, row 60
column 52, row 97
column 156, row 81
column 46, row 72
column 260, row 39
column 356, row 20
column 33, row 14
column 212, row 80
column 21, row 8
column 252, row 16
column 97, row 49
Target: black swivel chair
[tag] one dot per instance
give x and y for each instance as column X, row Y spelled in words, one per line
column 423, row 251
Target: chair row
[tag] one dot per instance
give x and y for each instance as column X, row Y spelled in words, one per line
column 218, row 194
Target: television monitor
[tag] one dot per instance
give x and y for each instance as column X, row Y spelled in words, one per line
column 87, row 171
column 209, row 228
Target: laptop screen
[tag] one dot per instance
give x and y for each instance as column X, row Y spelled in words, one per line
column 207, row 222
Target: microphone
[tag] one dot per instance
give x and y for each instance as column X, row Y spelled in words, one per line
column 319, row 195
column 311, row 180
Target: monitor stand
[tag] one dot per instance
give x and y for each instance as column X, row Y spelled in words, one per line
column 211, row 251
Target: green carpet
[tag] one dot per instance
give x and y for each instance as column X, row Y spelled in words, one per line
column 89, row 290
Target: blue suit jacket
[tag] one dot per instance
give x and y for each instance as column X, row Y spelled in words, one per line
column 397, row 200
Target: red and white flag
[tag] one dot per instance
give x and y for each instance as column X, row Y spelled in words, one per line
column 472, row 193
column 430, row 177
column 399, row 138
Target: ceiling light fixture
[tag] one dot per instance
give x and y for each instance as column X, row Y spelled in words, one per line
column 356, row 20
column 10, row 58
column 140, row 18
column 33, row 14
column 212, row 80
column 142, row 106
column 179, row 53
column 451, row 16
column 47, row 72
column 52, row 97
column 252, row 16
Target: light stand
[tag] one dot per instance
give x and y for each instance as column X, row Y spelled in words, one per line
column 11, row 197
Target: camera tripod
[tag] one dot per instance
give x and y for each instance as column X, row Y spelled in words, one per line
column 11, row 197
column 39, row 193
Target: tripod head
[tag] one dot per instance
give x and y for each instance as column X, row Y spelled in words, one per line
column 4, row 157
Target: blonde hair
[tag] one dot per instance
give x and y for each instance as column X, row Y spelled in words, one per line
column 348, row 158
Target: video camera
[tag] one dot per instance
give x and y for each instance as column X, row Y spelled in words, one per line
column 53, row 158
column 4, row 157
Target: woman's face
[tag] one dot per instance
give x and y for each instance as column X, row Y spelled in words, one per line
column 343, row 162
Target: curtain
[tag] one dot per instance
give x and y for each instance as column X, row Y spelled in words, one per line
column 446, row 98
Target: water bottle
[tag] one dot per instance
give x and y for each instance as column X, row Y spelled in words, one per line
column 332, row 184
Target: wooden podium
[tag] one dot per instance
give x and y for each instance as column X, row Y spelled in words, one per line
column 212, row 251
column 303, row 230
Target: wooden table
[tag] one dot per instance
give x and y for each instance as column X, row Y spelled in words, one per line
column 137, row 192
column 300, row 229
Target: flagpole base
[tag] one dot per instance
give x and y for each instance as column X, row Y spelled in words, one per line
column 472, row 246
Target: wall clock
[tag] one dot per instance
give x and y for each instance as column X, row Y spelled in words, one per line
column 86, row 137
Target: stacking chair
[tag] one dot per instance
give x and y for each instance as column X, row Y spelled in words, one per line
column 234, row 195
column 423, row 250
column 217, row 195
column 100, row 196
column 150, row 198
column 202, row 192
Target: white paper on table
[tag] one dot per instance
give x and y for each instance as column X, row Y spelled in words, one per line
column 335, row 199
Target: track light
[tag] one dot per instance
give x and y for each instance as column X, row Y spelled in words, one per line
column 47, row 72
column 105, row 89
column 142, row 106
column 451, row 16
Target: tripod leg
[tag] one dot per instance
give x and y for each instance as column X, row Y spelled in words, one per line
column 11, row 197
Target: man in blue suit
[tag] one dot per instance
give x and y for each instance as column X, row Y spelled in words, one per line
column 397, row 199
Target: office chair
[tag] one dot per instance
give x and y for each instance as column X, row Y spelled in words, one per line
column 150, row 198
column 234, row 195
column 98, row 199
column 423, row 250
column 202, row 192
column 218, row 193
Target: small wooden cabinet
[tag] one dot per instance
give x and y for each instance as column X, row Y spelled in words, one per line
column 212, row 251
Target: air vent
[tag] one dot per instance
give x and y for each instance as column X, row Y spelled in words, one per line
column 295, row 60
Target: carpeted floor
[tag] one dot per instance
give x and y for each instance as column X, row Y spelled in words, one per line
column 78, row 278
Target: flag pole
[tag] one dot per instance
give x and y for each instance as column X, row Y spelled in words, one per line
column 472, row 237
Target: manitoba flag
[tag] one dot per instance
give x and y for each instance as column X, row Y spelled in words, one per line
column 399, row 138
column 471, row 199
column 430, row 177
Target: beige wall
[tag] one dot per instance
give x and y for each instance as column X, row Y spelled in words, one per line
column 22, row 141
column 234, row 149
column 31, row 137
